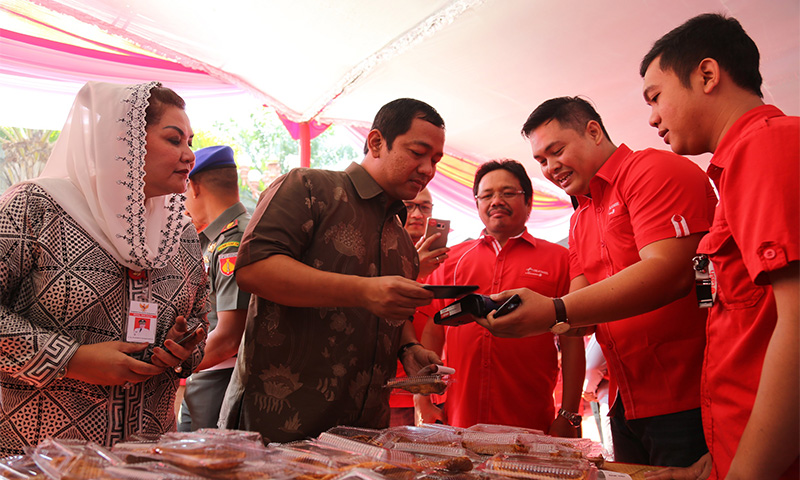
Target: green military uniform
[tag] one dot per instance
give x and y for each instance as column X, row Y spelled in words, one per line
column 220, row 243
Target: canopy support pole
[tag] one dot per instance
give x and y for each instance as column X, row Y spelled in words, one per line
column 305, row 145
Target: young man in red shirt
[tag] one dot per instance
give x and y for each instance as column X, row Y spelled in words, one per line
column 632, row 238
column 703, row 85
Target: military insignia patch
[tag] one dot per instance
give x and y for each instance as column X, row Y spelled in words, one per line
column 227, row 263
column 231, row 225
column 227, row 245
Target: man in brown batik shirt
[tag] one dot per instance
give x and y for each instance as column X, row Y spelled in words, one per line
column 331, row 268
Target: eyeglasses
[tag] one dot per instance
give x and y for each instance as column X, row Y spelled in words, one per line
column 503, row 194
column 424, row 208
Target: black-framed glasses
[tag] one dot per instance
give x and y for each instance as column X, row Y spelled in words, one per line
column 424, row 208
column 506, row 195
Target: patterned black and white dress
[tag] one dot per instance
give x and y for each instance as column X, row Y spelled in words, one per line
column 59, row 290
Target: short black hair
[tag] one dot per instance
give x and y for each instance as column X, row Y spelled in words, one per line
column 223, row 181
column 395, row 118
column 513, row 166
column 709, row 35
column 571, row 112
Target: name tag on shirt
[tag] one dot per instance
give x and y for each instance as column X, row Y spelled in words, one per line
column 142, row 322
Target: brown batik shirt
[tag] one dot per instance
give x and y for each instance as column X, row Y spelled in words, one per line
column 301, row 371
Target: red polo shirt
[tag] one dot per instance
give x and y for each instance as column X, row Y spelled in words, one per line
column 755, row 231
column 502, row 380
column 637, row 198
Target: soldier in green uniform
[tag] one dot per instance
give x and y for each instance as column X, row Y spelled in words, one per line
column 213, row 203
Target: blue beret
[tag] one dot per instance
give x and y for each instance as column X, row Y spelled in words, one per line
column 211, row 158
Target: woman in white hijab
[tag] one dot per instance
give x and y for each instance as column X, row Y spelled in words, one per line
column 92, row 249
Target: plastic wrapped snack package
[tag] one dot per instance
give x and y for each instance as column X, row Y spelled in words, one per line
column 539, row 467
column 359, row 474
column 425, row 434
column 493, row 443
column 73, row 460
column 364, row 435
column 150, row 471
column 492, row 428
column 20, row 467
column 421, row 384
column 374, row 452
column 202, row 454
column 387, row 470
column 235, row 436
column 311, row 452
column 580, row 447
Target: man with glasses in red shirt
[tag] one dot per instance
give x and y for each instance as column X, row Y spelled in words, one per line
column 499, row 380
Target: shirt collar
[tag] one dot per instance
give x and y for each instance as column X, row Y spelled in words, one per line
column 214, row 228
column 608, row 171
column 760, row 113
column 367, row 188
column 524, row 236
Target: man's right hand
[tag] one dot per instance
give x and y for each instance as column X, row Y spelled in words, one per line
column 394, row 297
column 429, row 260
column 108, row 363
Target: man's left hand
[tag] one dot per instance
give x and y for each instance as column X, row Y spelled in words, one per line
column 417, row 358
column 562, row 428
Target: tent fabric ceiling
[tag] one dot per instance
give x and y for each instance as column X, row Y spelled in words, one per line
column 484, row 64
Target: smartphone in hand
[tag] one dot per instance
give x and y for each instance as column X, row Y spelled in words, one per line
column 436, row 225
column 188, row 335
column 508, row 306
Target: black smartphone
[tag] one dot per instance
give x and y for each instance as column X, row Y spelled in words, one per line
column 508, row 306
column 450, row 291
column 188, row 335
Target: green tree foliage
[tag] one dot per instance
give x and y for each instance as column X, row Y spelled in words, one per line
column 24, row 153
column 260, row 140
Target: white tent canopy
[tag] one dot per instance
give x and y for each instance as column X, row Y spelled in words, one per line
column 483, row 64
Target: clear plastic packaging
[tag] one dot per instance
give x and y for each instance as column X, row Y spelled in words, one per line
column 536, row 467
column 202, row 454
column 423, row 434
column 235, row 436
column 576, row 447
column 364, row 435
column 492, row 428
column 20, row 467
column 74, row 460
column 395, row 457
column 493, row 443
column 388, row 470
column 421, row 384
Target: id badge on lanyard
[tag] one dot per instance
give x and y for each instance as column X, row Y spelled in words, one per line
column 142, row 320
column 705, row 281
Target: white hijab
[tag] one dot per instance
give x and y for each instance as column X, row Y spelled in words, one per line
column 96, row 174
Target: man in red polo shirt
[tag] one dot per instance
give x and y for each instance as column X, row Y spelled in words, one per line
column 632, row 238
column 499, row 380
column 703, row 85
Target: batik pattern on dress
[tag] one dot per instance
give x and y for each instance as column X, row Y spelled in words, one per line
column 304, row 370
column 59, row 290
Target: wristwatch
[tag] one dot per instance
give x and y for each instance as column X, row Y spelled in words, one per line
column 562, row 324
column 573, row 418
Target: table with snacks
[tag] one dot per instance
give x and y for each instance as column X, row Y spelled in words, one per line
column 435, row 452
